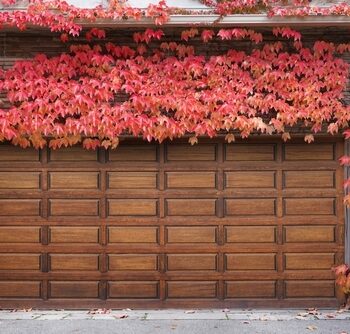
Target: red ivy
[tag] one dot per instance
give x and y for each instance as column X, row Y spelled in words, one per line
column 170, row 91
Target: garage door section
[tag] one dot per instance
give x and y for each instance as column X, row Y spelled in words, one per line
column 215, row 224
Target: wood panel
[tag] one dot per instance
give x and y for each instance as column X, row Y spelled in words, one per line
column 309, row 233
column 133, row 234
column 190, row 180
column 78, row 234
column 62, row 262
column 206, row 152
column 75, row 153
column 134, row 153
column 309, row 179
column 138, row 290
column 193, row 234
column 132, row 180
column 20, row 289
column 250, row 261
column 74, row 180
column 191, row 262
column 309, row 289
column 250, row 289
column 191, row 207
column 309, row 206
column 126, row 262
column 19, row 180
column 249, row 152
column 14, row 153
column 19, row 234
column 309, row 261
column 255, row 179
column 19, row 261
column 20, row 207
column 250, row 206
column 309, row 152
column 255, row 234
column 183, row 289
column 132, row 207
column 73, row 289
column 73, row 207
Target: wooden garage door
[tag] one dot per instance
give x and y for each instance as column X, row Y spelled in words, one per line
column 244, row 224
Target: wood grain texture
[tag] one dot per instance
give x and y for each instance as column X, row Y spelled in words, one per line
column 247, row 289
column 244, row 224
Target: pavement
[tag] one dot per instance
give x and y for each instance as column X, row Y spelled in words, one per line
column 215, row 321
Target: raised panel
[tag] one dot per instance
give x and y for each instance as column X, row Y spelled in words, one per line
column 74, row 180
column 309, row 289
column 132, row 180
column 309, row 179
column 19, row 234
column 193, row 234
column 309, row 206
column 190, row 180
column 73, row 207
column 309, row 152
column 73, row 289
column 309, row 261
column 134, row 153
column 132, row 262
column 249, row 152
column 14, row 153
column 191, row 207
column 253, row 179
column 250, row 206
column 74, row 153
column 62, row 262
column 195, row 289
column 186, row 152
column 138, row 289
column 20, row 207
column 253, row 234
column 250, row 289
column 191, row 262
column 127, row 234
column 250, row 261
column 19, row 261
column 132, row 207
column 79, row 234
column 20, row 289
column 19, row 180
column 309, row 233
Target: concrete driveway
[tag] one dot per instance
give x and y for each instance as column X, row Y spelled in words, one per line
column 175, row 321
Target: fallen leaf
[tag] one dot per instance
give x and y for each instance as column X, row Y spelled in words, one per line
column 312, row 311
column 120, row 316
column 263, row 319
column 303, row 314
column 190, row 311
column 246, row 322
column 127, row 309
column 311, row 328
column 330, row 315
column 226, row 310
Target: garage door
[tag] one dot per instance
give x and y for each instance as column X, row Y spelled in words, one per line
column 245, row 224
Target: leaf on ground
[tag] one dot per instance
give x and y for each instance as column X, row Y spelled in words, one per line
column 263, row 319
column 226, row 310
column 246, row 322
column 312, row 311
column 330, row 315
column 190, row 311
column 120, row 316
column 311, row 328
column 100, row 311
column 303, row 314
